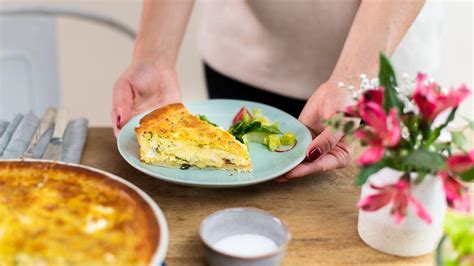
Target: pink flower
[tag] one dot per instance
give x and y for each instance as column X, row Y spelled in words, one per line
column 375, row 95
column 457, row 195
column 431, row 101
column 461, row 163
column 399, row 194
column 383, row 132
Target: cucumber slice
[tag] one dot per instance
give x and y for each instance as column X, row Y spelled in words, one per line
column 273, row 142
column 287, row 139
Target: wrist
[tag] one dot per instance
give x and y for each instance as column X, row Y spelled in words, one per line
column 331, row 91
column 155, row 62
column 346, row 80
column 148, row 54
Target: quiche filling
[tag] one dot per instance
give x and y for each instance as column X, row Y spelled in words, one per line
column 157, row 149
column 58, row 216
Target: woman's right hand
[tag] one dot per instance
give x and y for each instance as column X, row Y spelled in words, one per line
column 141, row 87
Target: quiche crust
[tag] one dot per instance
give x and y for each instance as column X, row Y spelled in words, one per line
column 172, row 137
column 55, row 214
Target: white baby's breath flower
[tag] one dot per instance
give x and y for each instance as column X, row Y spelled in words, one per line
column 356, row 95
column 341, row 85
column 363, row 76
column 405, row 132
column 410, row 107
column 374, row 82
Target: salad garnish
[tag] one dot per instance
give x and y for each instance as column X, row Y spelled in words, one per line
column 255, row 127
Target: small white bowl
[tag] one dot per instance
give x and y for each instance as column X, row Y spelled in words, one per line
column 236, row 221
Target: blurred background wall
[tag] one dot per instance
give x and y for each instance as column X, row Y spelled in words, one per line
column 91, row 58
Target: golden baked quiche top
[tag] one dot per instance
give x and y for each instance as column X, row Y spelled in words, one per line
column 53, row 214
column 171, row 136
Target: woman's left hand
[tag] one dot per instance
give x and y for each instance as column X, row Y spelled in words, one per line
column 328, row 150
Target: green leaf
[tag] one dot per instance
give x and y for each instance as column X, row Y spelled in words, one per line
column 411, row 121
column 348, row 127
column 239, row 129
column 436, row 132
column 468, row 175
column 388, row 80
column 367, row 171
column 459, row 140
column 470, row 123
column 269, row 129
column 441, row 146
column 204, row 118
column 421, row 176
column 424, row 160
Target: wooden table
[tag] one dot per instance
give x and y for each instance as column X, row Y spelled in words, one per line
column 320, row 211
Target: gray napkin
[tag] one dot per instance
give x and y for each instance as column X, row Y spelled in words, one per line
column 74, row 139
column 8, row 133
column 21, row 138
column 3, row 127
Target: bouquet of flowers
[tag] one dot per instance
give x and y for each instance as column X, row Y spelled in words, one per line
column 401, row 127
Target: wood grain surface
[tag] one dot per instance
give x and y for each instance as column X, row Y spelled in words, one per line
column 319, row 210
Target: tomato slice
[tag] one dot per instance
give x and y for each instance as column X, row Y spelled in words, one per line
column 240, row 115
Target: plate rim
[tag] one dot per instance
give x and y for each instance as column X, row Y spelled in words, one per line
column 210, row 184
column 159, row 255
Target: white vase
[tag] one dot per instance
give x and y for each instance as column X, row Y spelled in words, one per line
column 413, row 237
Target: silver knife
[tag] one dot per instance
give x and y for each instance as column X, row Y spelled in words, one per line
column 43, row 126
column 54, row 150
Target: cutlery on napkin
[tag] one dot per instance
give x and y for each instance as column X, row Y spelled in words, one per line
column 43, row 126
column 54, row 150
column 18, row 134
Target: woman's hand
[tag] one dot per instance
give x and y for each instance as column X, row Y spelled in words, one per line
column 141, row 87
column 327, row 150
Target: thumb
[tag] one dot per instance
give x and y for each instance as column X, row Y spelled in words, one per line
column 120, row 116
column 323, row 143
column 122, row 106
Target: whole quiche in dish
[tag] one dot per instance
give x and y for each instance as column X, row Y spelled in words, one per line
column 58, row 214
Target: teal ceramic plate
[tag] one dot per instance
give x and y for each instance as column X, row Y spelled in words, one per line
column 266, row 164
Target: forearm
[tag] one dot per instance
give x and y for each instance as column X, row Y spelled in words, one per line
column 162, row 28
column 378, row 26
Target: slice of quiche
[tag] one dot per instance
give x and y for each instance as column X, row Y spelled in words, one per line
column 172, row 137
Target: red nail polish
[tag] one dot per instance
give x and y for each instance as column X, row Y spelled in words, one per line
column 313, row 154
column 118, row 121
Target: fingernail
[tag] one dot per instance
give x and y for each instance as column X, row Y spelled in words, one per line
column 118, row 121
column 313, row 154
